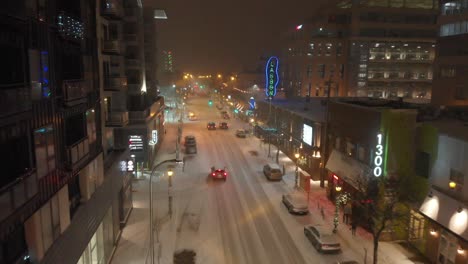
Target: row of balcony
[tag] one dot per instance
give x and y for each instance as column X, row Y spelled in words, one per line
column 117, row 118
column 77, row 154
column 17, row 193
column 115, row 83
column 111, row 46
column 14, row 98
column 75, row 91
column 112, row 9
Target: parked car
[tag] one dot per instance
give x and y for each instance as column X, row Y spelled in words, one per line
column 223, row 125
column 189, row 139
column 322, row 239
column 211, row 126
column 218, row 174
column 241, row 133
column 273, row 172
column 296, row 203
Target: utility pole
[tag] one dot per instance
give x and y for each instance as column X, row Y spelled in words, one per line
column 325, row 140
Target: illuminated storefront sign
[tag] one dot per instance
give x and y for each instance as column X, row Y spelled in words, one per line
column 127, row 165
column 378, row 159
column 271, row 77
column 135, row 143
column 154, row 137
column 307, row 134
column 252, row 103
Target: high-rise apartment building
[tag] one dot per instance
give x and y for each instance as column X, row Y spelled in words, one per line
column 74, row 115
column 382, row 49
column 450, row 85
column 145, row 109
column 168, row 61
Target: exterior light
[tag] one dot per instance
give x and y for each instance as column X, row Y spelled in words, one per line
column 252, row 120
column 433, row 232
column 298, row 27
column 233, row 78
column 460, row 251
column 173, row 86
column 296, row 155
column 170, row 172
column 219, row 76
column 338, row 188
column 452, row 184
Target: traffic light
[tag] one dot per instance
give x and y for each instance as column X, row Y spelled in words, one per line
column 210, row 102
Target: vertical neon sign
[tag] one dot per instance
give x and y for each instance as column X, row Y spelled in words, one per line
column 271, row 76
column 378, row 159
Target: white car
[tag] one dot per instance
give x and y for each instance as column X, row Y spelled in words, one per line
column 296, row 203
column 322, row 239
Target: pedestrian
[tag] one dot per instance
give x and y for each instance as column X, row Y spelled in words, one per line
column 347, row 213
column 353, row 227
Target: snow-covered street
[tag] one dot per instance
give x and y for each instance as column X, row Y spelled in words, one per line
column 241, row 220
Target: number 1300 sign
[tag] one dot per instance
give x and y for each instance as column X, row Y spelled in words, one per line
column 378, row 159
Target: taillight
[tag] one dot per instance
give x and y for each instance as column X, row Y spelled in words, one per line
column 213, row 174
column 225, row 174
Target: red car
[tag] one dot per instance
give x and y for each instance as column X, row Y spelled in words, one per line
column 223, row 125
column 211, row 126
column 219, row 174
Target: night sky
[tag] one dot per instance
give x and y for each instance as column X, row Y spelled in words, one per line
column 210, row 36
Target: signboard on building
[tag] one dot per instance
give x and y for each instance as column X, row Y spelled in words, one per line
column 271, row 77
column 252, row 103
column 378, row 158
column 135, row 143
column 154, row 138
column 307, row 134
column 127, row 165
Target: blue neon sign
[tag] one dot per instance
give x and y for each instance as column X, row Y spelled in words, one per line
column 271, row 76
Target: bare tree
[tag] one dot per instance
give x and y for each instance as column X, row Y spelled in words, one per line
column 387, row 209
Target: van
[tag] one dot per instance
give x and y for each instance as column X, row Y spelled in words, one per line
column 273, row 172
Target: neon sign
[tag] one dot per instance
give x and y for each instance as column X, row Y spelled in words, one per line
column 271, row 76
column 378, row 159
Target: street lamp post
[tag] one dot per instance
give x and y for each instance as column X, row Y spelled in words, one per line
column 296, row 179
column 151, row 202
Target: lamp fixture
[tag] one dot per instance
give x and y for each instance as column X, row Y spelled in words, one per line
column 433, row 232
column 460, row 250
column 452, row 185
column 170, row 172
column 338, row 188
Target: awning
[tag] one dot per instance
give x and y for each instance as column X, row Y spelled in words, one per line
column 348, row 169
column 448, row 212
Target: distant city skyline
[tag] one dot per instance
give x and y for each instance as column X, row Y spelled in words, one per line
column 213, row 36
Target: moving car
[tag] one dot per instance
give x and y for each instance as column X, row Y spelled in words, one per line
column 220, row 174
column 211, row 126
column 241, row 133
column 296, row 203
column 190, row 145
column 322, row 239
column 273, row 172
column 193, row 117
column 223, row 125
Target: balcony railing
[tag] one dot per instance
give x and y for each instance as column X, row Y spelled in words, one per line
column 133, row 63
column 138, row 115
column 17, row 193
column 14, row 98
column 112, row 83
column 111, row 46
column 75, row 91
column 77, row 153
column 117, row 119
column 112, row 9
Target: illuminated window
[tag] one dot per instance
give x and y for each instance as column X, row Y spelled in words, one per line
column 44, row 146
column 457, row 177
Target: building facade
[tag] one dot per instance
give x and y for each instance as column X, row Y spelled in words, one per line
column 450, row 86
column 445, row 209
column 381, row 49
column 65, row 197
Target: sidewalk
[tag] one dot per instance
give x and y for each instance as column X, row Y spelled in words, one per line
column 389, row 252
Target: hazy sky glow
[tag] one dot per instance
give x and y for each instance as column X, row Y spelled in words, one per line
column 211, row 35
